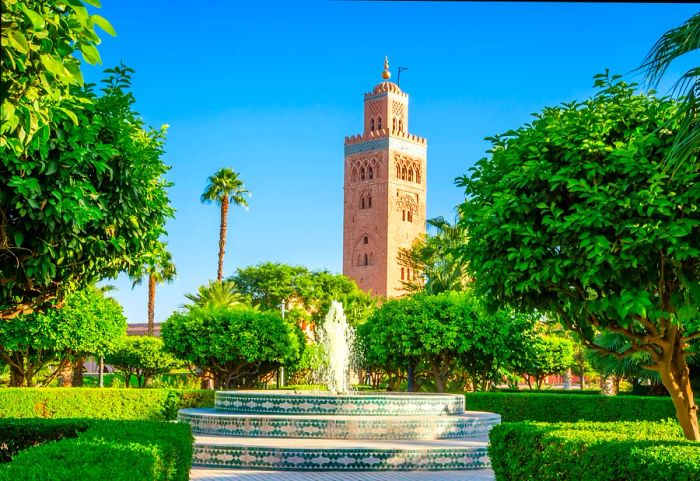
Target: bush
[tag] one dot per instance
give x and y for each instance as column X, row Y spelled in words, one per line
column 540, row 407
column 113, row 450
column 584, row 451
column 105, row 403
column 19, row 434
column 141, row 357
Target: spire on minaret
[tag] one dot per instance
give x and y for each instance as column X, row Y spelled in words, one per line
column 386, row 75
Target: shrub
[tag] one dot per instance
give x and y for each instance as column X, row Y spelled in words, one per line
column 105, row 403
column 113, row 450
column 141, row 357
column 561, row 408
column 585, row 451
column 19, row 434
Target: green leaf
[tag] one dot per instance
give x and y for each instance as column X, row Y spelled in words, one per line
column 94, row 3
column 104, row 24
column 19, row 237
column 18, row 41
column 90, row 54
column 37, row 20
column 53, row 65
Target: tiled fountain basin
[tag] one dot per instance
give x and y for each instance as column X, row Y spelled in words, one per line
column 355, row 404
column 340, row 455
column 466, row 425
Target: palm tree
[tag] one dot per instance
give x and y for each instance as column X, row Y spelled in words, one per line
column 159, row 269
column 674, row 44
column 216, row 294
column 224, row 187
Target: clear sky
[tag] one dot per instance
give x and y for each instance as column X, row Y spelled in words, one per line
column 271, row 90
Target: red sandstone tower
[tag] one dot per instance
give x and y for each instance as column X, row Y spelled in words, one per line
column 385, row 192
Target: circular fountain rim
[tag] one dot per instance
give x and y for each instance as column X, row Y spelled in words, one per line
column 363, row 394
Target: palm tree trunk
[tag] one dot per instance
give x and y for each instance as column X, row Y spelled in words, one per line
column 222, row 238
column 151, row 304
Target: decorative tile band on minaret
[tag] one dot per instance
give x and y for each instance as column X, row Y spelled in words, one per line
column 385, row 191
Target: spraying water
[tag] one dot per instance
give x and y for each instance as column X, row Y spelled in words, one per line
column 337, row 339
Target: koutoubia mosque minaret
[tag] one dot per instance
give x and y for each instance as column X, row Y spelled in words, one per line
column 385, row 192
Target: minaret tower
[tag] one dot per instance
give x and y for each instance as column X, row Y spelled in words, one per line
column 385, row 192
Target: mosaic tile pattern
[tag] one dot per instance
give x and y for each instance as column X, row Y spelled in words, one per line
column 227, row 456
column 398, row 404
column 377, row 144
column 468, row 425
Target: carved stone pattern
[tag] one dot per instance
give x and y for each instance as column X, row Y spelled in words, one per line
column 407, row 201
column 374, row 109
column 366, row 162
column 402, row 161
column 398, row 110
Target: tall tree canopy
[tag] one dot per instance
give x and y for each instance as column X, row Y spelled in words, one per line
column 84, row 201
column 570, row 215
column 225, row 187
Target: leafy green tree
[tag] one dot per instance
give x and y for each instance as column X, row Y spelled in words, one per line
column 88, row 324
column 433, row 256
column 679, row 42
column 542, row 357
column 426, row 329
column 223, row 188
column 240, row 346
column 142, row 357
column 571, row 216
column 269, row 283
column 39, row 71
column 216, row 294
column 159, row 268
column 84, row 201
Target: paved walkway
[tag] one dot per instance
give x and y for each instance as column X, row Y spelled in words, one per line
column 207, row 474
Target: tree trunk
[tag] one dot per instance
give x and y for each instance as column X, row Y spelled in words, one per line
column 207, row 379
column 411, row 377
column 151, row 304
column 17, row 377
column 607, row 386
column 222, row 238
column 675, row 376
column 567, row 379
column 65, row 374
column 77, row 373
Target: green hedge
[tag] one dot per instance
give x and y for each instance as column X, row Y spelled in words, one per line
column 638, row 451
column 104, row 450
column 19, row 434
column 515, row 407
column 105, row 403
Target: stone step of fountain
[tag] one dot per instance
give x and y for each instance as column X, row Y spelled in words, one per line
column 374, row 404
column 212, row 421
column 340, row 455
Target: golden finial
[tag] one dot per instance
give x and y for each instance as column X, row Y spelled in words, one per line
column 386, row 75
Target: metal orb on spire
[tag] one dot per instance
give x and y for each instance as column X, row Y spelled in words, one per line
column 386, row 75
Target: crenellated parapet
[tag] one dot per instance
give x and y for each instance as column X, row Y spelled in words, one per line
column 372, row 135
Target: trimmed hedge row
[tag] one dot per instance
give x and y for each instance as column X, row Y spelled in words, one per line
column 623, row 451
column 100, row 403
column 104, row 450
column 539, row 407
column 19, row 434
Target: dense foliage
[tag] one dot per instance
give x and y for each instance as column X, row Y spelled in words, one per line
column 100, row 403
column 89, row 323
column 572, row 216
column 115, row 450
column 85, row 200
column 548, row 406
column 240, row 346
column 637, row 451
column 141, row 357
column 440, row 334
column 543, row 356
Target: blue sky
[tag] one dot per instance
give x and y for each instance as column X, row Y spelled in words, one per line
column 271, row 89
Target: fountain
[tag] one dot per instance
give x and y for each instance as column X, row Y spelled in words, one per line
column 337, row 339
column 339, row 430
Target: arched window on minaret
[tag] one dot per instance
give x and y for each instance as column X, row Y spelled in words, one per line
column 418, row 176
column 398, row 171
column 410, row 174
column 362, row 173
column 354, row 174
column 362, row 203
column 366, row 260
column 410, row 216
column 379, row 123
column 371, row 124
column 403, row 214
column 393, row 125
column 403, row 174
column 400, row 125
column 369, row 201
column 402, row 274
column 365, row 240
column 370, row 173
